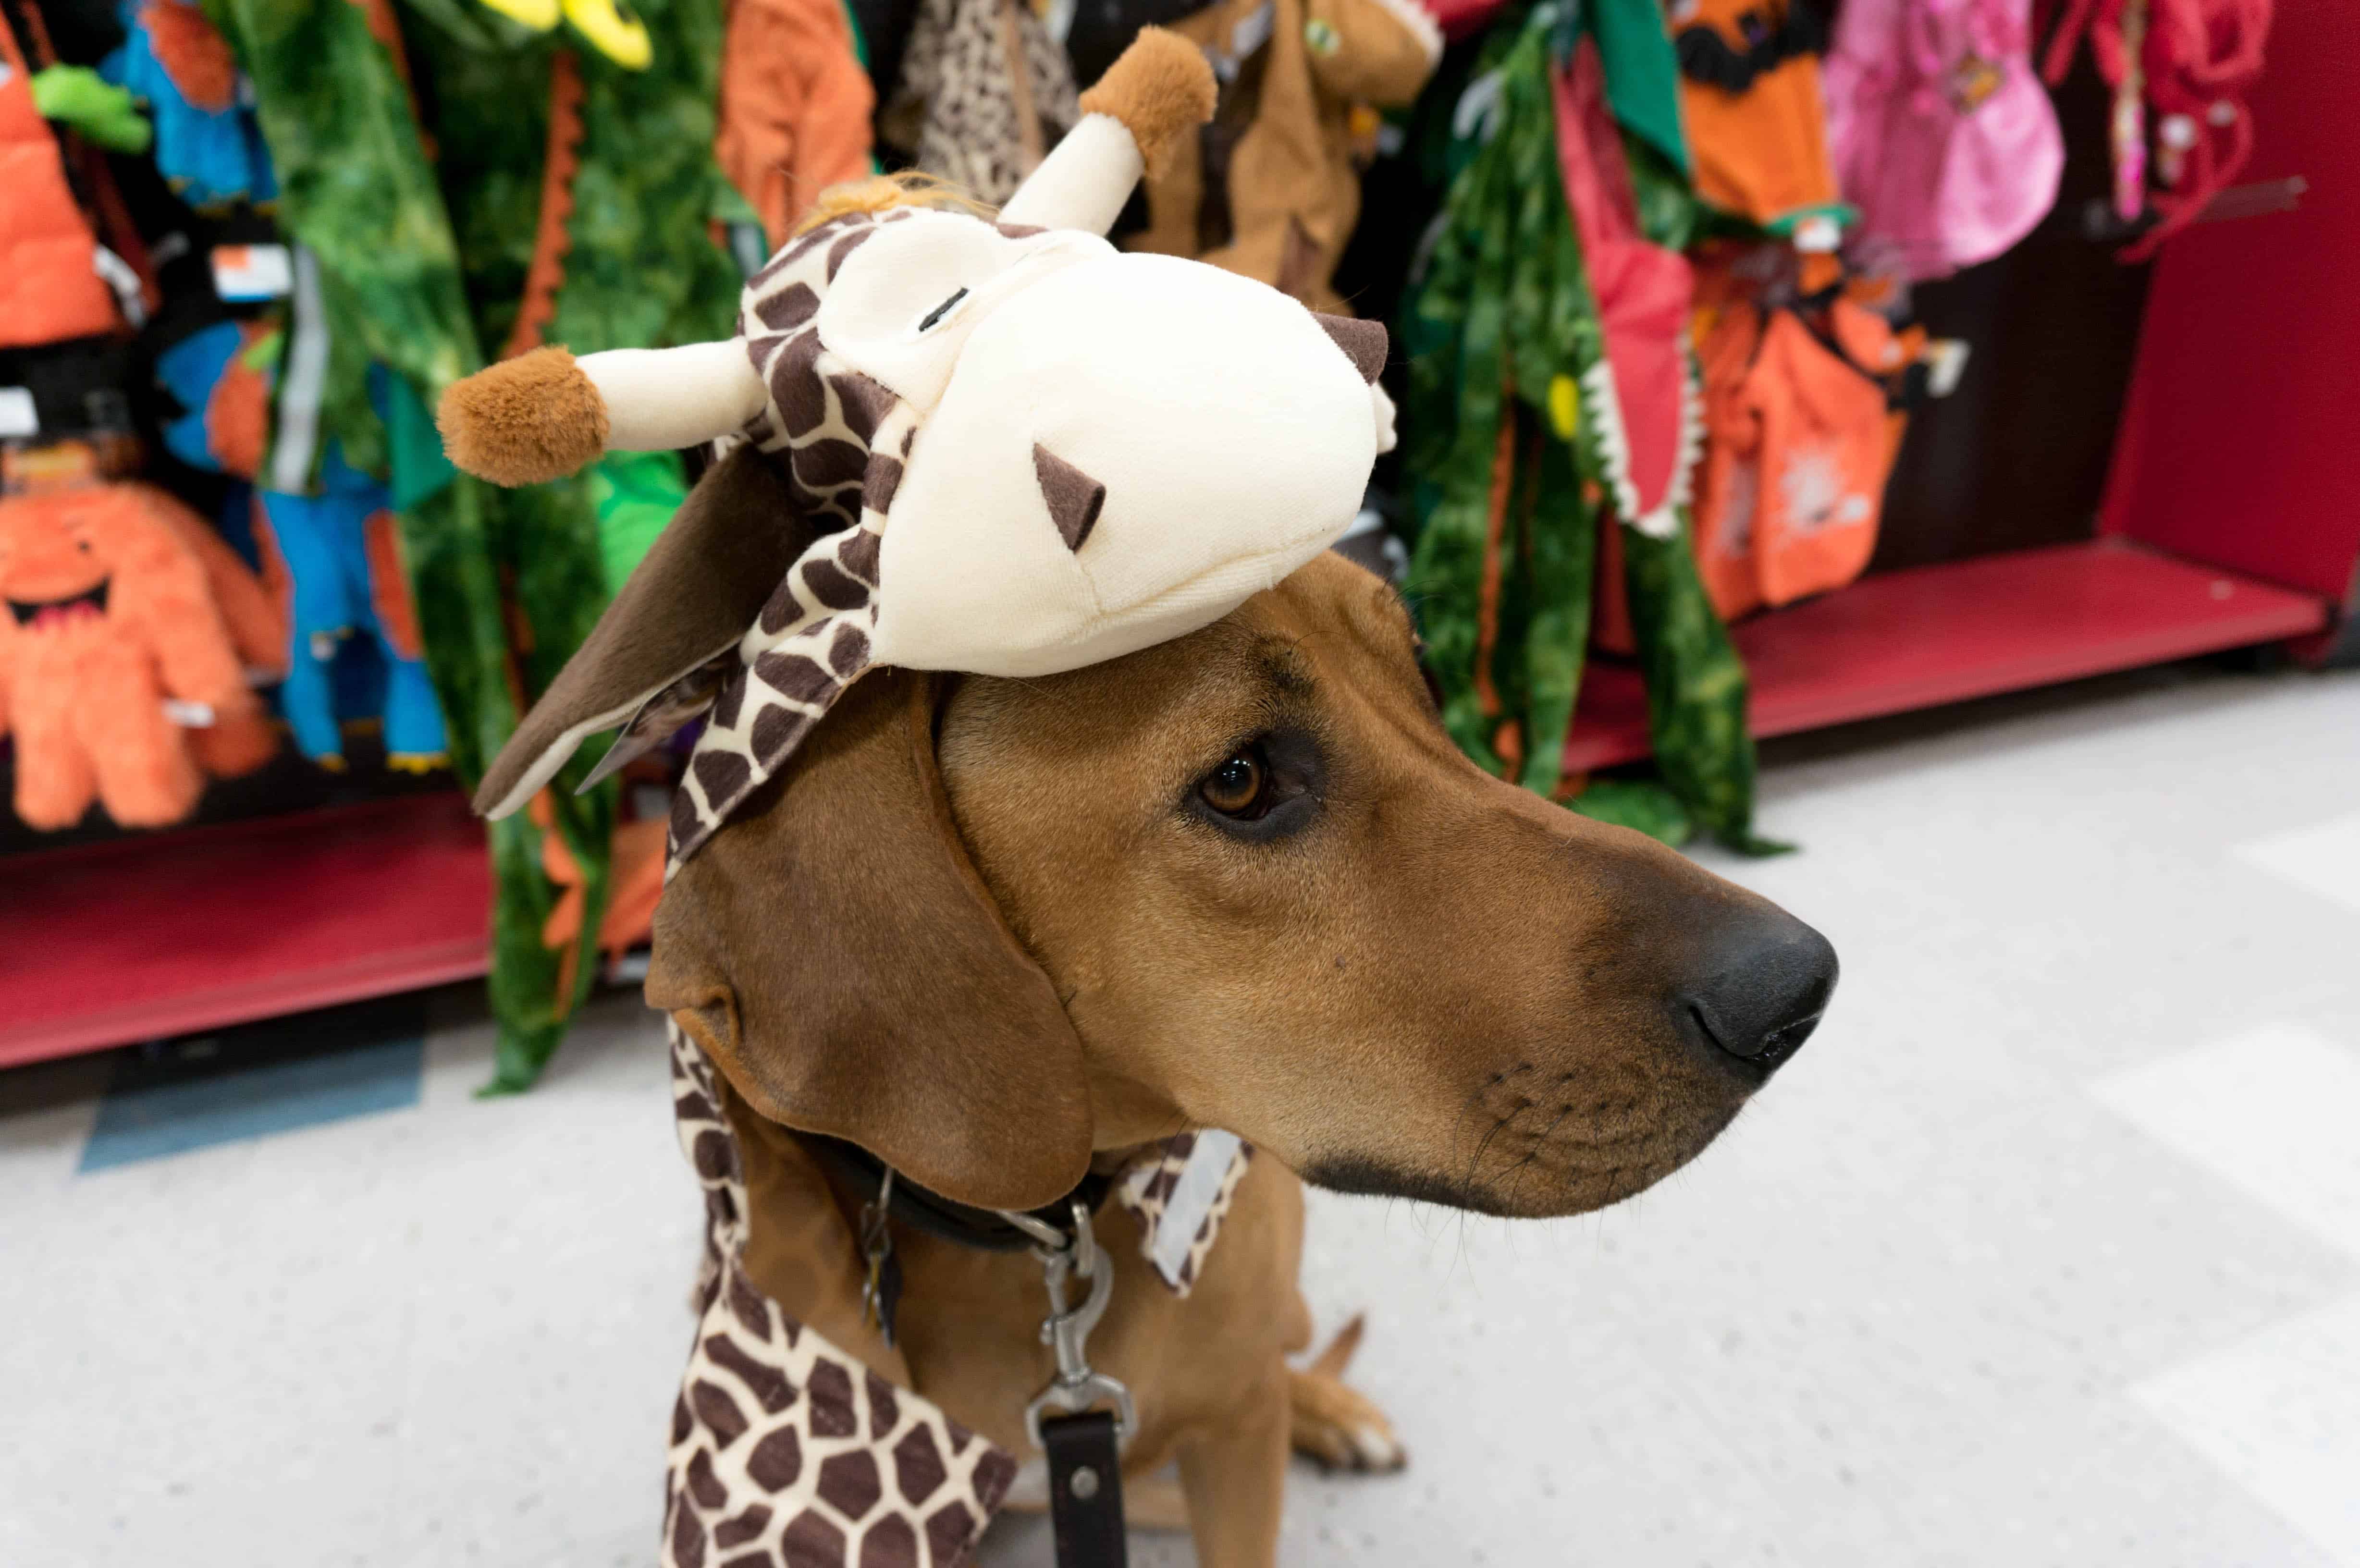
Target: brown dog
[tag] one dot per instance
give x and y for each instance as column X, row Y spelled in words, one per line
column 996, row 930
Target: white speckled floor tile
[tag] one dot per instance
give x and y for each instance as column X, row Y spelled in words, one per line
column 2274, row 1111
column 2278, row 1412
column 2324, row 859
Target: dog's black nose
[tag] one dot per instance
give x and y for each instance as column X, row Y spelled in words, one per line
column 1766, row 982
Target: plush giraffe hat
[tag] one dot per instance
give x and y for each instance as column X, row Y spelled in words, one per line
column 1081, row 453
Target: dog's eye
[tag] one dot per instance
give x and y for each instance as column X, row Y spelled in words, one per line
column 1240, row 787
column 1266, row 789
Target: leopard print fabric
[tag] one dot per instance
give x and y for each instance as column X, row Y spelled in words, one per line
column 959, row 84
column 786, row 1452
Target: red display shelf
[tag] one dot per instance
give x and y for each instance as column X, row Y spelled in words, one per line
column 165, row 933
column 1941, row 634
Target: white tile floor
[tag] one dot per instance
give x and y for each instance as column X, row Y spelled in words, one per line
column 2045, row 1251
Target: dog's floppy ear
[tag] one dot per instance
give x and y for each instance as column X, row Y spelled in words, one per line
column 835, row 952
column 703, row 581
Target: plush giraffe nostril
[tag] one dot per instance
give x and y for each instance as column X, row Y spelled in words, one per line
column 1073, row 498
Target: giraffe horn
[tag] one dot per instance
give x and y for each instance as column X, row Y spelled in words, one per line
column 1158, row 92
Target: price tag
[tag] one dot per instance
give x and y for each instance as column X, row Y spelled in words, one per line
column 246, row 275
column 18, row 416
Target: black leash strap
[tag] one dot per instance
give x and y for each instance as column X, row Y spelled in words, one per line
column 1083, row 1444
column 1085, row 1490
column 1068, row 1419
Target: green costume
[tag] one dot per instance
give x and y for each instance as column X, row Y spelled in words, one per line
column 1501, row 328
column 423, row 266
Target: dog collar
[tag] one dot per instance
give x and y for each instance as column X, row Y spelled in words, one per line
column 946, row 1219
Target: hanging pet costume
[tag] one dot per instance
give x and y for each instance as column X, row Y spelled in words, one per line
column 1641, row 396
column 984, row 91
column 1030, row 452
column 1798, row 448
column 50, row 286
column 207, row 143
column 344, row 554
column 1271, row 188
column 2191, row 61
column 1940, row 133
column 1520, row 431
column 338, row 543
column 795, row 105
column 1750, row 99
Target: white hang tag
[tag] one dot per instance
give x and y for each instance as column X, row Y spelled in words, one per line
column 17, row 415
column 246, row 275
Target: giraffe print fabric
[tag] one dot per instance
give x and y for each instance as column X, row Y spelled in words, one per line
column 785, row 1451
column 818, row 426
column 841, row 438
column 1081, row 453
column 1181, row 1192
column 957, row 405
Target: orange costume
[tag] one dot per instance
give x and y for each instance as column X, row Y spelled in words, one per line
column 1799, row 441
column 111, row 614
column 1749, row 100
column 795, row 107
column 49, row 286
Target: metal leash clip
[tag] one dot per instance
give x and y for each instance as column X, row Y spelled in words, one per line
column 1066, row 1329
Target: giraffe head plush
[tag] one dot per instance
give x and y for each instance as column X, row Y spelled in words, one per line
column 1013, row 450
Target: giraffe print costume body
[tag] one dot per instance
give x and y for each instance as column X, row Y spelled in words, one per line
column 785, row 1450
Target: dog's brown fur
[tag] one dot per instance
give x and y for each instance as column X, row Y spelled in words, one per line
column 988, row 929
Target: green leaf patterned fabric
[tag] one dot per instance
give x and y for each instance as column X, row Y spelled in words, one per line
column 424, row 263
column 1500, row 326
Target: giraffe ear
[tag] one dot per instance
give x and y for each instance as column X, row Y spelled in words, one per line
column 839, row 956
column 650, row 657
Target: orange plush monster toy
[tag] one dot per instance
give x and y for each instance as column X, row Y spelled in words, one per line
column 110, row 617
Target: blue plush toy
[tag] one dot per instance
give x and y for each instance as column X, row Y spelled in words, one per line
column 340, row 546
column 341, row 551
column 208, row 146
column 227, row 414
